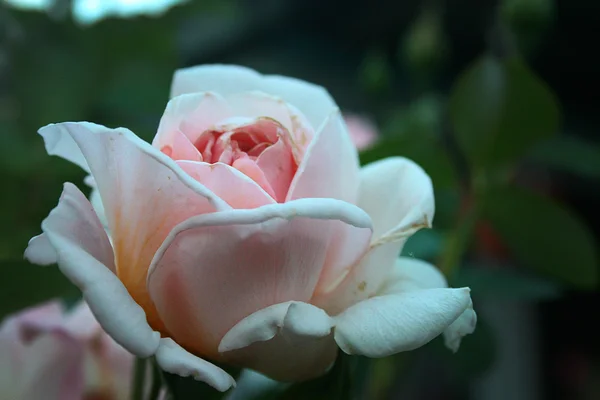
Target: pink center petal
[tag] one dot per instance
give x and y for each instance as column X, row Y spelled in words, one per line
column 253, row 171
column 261, row 148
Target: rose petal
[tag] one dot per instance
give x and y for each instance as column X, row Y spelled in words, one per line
column 234, row 187
column 464, row 325
column 386, row 325
column 190, row 114
column 39, row 251
column 174, row 359
column 411, row 274
column 277, row 163
column 312, row 100
column 363, row 131
column 180, row 148
column 96, row 200
column 40, row 319
column 144, row 194
column 249, row 168
column 268, row 339
column 65, row 147
column 86, row 258
column 52, row 369
column 330, row 166
column 256, row 104
column 81, row 323
column 398, row 195
column 241, row 261
column 11, row 348
column 47, row 367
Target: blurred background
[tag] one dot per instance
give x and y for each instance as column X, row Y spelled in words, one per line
column 497, row 100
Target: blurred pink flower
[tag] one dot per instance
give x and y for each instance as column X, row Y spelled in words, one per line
column 363, row 131
column 48, row 353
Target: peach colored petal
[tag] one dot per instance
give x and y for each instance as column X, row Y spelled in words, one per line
column 83, row 251
column 278, row 166
column 215, row 269
column 180, row 148
column 144, row 194
column 190, row 114
column 249, row 168
column 330, row 166
column 231, row 185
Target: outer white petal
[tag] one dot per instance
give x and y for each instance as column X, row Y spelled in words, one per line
column 96, row 200
column 289, row 341
column 40, row 251
column 64, row 146
column 386, row 325
column 464, row 325
column 174, row 359
column 398, row 195
column 312, row 100
column 86, row 258
column 412, row 274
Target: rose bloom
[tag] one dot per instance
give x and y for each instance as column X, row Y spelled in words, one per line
column 47, row 353
column 247, row 234
column 362, row 130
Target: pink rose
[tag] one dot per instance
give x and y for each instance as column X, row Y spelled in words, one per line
column 247, row 234
column 49, row 354
column 363, row 131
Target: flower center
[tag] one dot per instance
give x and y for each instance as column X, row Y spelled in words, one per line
column 260, row 148
column 229, row 144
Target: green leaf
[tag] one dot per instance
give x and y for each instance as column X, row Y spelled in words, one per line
column 413, row 133
column 499, row 109
column 505, row 282
column 24, row 285
column 544, row 235
column 569, row 154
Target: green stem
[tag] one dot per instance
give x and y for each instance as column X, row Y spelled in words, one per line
column 459, row 241
column 137, row 391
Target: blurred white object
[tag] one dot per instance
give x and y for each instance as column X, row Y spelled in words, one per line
column 90, row 11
